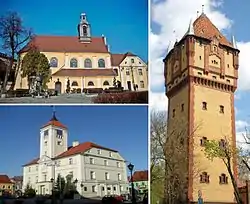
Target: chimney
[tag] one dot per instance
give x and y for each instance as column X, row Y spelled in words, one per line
column 75, row 143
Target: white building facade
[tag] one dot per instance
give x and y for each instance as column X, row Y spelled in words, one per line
column 98, row 170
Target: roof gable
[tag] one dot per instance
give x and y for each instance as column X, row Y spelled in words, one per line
column 66, row 44
column 204, row 28
column 4, row 179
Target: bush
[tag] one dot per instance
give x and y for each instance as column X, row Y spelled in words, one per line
column 124, row 97
column 19, row 93
column 114, row 90
column 92, row 90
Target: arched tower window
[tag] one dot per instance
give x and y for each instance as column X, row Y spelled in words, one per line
column 87, row 63
column 105, row 83
column 101, row 63
column 74, row 83
column 73, row 62
column 53, row 62
column 84, row 30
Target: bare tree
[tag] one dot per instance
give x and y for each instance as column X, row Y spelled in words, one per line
column 169, row 151
column 14, row 35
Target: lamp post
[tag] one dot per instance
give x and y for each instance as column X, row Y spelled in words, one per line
column 53, row 193
column 131, row 167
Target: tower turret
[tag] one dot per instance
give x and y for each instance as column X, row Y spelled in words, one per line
column 84, row 29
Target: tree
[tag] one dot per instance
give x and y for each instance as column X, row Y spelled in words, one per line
column 227, row 153
column 13, row 35
column 170, row 157
column 35, row 63
column 114, row 82
column 29, row 191
column 60, row 184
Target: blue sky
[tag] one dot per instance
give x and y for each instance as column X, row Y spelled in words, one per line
column 124, row 23
column 123, row 128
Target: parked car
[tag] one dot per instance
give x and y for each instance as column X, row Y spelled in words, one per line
column 112, row 199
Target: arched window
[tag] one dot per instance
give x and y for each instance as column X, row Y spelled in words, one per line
column 73, row 62
column 142, row 84
column 101, row 63
column 84, row 29
column 87, row 63
column 74, row 83
column 105, row 83
column 91, row 83
column 53, row 62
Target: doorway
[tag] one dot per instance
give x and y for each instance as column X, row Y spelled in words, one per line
column 129, row 85
column 58, row 87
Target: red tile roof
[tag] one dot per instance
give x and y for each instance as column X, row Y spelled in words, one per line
column 204, row 28
column 53, row 121
column 34, row 161
column 140, row 176
column 66, row 44
column 85, row 72
column 83, row 147
column 116, row 59
column 4, row 179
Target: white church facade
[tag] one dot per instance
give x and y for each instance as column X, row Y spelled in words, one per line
column 97, row 170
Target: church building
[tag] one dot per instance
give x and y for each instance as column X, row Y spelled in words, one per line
column 96, row 170
column 86, row 62
column 201, row 73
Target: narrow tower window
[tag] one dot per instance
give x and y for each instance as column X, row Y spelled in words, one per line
column 223, row 179
column 182, row 107
column 204, row 105
column 221, row 109
column 173, row 113
column 222, row 143
column 204, row 177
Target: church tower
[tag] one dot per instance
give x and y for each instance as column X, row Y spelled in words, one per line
column 84, row 29
column 53, row 138
column 201, row 73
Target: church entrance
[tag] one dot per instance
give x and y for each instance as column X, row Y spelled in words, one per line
column 58, row 87
column 129, row 85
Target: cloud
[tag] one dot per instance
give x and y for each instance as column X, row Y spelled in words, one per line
column 158, row 102
column 241, row 127
column 170, row 19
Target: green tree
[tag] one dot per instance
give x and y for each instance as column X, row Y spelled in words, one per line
column 13, row 35
column 60, row 184
column 29, row 191
column 114, row 82
column 226, row 152
column 36, row 63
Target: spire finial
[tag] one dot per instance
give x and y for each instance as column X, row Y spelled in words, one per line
column 54, row 113
column 203, row 9
column 198, row 14
column 168, row 47
column 233, row 41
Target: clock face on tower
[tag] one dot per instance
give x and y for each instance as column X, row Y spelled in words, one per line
column 59, row 134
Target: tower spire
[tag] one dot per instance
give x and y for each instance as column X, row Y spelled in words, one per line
column 54, row 114
column 202, row 11
column 233, row 41
column 190, row 28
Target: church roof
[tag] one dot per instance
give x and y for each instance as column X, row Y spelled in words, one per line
column 140, row 176
column 81, row 148
column 116, row 59
column 53, row 121
column 85, row 72
column 66, row 44
column 204, row 28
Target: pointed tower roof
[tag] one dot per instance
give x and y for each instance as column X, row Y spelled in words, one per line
column 204, row 28
column 54, row 122
column 233, row 41
column 190, row 30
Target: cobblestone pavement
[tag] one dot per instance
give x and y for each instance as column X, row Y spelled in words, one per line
column 64, row 98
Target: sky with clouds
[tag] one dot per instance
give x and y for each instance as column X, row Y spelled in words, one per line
column 170, row 20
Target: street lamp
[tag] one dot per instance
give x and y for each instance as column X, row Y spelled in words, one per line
column 131, row 167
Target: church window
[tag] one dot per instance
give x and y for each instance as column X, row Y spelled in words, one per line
column 141, row 84
column 203, row 141
column 84, row 29
column 93, row 188
column 101, row 63
column 140, row 72
column 222, row 143
column 204, row 177
column 85, row 188
column 119, row 177
column 73, row 62
column 88, row 63
column 221, row 109
column 223, row 179
column 70, row 161
column 173, row 113
column 105, row 83
column 127, row 71
column 45, row 143
column 204, row 105
column 91, row 83
column 74, row 83
column 53, row 62
column 200, row 57
column 46, row 133
column 105, row 163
